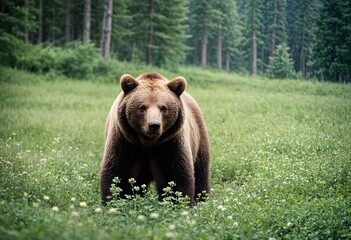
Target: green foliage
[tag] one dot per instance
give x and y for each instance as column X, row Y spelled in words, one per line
column 267, row 29
column 13, row 18
column 12, row 24
column 317, row 32
column 76, row 61
column 301, row 16
column 79, row 61
column 280, row 27
column 167, row 22
column 332, row 50
column 143, row 202
column 203, row 14
column 281, row 66
column 11, row 50
column 280, row 160
column 122, row 33
column 169, row 38
column 231, row 31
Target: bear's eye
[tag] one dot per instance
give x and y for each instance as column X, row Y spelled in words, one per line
column 164, row 109
column 142, row 108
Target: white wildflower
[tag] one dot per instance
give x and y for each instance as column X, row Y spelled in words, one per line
column 75, row 214
column 185, row 213
column 112, row 210
column 55, row 209
column 169, row 234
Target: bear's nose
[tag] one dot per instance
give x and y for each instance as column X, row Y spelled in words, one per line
column 154, row 126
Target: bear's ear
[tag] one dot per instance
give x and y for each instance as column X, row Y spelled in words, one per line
column 128, row 83
column 177, row 85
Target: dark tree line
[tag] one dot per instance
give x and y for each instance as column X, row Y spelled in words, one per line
column 235, row 35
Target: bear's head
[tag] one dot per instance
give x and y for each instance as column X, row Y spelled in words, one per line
column 151, row 110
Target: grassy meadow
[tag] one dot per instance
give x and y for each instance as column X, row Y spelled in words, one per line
column 281, row 161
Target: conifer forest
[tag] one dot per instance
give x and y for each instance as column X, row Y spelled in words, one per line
column 300, row 39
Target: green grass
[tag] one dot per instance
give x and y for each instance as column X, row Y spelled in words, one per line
column 281, row 161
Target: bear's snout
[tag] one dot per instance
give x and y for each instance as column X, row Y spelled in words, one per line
column 154, row 126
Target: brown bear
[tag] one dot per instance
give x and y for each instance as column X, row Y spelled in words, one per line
column 155, row 132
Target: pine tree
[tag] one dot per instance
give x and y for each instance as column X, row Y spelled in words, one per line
column 14, row 18
column 254, row 26
column 278, row 23
column 40, row 31
column 68, row 21
column 170, row 34
column 139, row 26
column 53, row 30
column 307, row 22
column 86, row 25
column 333, row 41
column 122, row 34
column 203, row 20
column 281, row 66
column 26, row 36
column 300, row 17
column 157, row 31
column 243, row 48
column 231, row 33
column 106, row 29
column 97, row 15
column 150, row 31
column 277, row 29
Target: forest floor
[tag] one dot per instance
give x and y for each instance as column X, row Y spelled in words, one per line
column 281, row 161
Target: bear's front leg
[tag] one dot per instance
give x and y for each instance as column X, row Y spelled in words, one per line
column 175, row 164
column 111, row 167
column 184, row 183
column 116, row 163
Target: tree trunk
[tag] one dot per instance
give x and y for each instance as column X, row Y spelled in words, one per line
column 32, row 37
column 240, row 62
column 68, row 21
column 302, row 55
column 262, row 59
column 227, row 60
column 150, row 33
column 204, row 45
column 53, row 35
column 40, row 31
column 78, row 30
column 72, row 28
column 340, row 78
column 86, row 27
column 106, row 29
column 219, row 48
column 26, row 22
column 134, row 50
column 309, row 68
column 253, row 43
column 271, row 53
column 196, row 50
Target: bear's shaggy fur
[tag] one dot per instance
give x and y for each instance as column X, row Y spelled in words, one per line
column 155, row 131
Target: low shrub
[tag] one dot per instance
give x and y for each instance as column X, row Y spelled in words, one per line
column 75, row 61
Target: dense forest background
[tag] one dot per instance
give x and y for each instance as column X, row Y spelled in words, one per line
column 276, row 38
